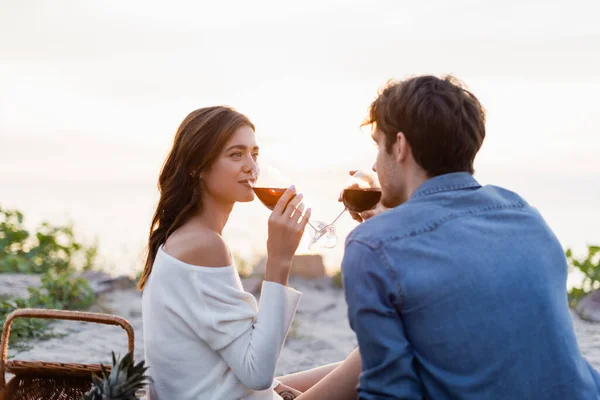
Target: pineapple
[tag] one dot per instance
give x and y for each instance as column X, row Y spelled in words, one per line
column 124, row 380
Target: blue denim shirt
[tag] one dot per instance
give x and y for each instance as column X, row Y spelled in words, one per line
column 460, row 293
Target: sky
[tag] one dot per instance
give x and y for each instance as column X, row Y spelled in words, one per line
column 92, row 92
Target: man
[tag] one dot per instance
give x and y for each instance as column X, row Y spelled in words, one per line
column 458, row 291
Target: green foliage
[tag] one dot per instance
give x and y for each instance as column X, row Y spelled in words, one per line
column 60, row 291
column 22, row 328
column 49, row 248
column 53, row 252
column 337, row 279
column 138, row 276
column 63, row 291
column 590, row 267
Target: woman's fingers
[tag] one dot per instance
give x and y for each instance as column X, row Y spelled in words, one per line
column 304, row 220
column 283, row 200
column 286, row 225
column 291, row 206
column 298, row 213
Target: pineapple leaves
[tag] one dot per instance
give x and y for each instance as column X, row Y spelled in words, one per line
column 122, row 383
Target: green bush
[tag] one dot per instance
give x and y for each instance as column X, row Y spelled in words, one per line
column 50, row 248
column 337, row 279
column 60, row 291
column 53, row 252
column 590, row 267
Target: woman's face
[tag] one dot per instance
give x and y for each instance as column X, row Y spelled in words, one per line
column 232, row 176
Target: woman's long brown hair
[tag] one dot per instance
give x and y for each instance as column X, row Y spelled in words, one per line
column 197, row 144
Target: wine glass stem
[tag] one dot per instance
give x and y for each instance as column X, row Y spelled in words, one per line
column 339, row 215
column 311, row 225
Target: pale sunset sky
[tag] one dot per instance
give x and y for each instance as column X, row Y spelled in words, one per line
column 91, row 93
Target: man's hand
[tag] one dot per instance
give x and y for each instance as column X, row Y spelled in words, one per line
column 287, row 392
column 365, row 215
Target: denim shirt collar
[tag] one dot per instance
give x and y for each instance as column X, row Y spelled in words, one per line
column 445, row 183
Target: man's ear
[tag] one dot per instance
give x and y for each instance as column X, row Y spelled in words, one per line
column 401, row 147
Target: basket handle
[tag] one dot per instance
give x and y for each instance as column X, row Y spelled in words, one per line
column 107, row 319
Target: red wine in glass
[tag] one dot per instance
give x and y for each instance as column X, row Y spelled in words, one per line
column 356, row 197
column 359, row 200
column 269, row 196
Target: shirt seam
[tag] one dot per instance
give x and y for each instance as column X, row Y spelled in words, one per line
column 388, row 265
column 438, row 189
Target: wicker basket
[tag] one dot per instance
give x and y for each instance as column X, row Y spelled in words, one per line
column 41, row 380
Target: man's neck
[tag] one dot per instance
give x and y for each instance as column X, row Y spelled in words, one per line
column 415, row 180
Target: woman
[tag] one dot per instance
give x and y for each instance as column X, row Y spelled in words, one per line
column 204, row 336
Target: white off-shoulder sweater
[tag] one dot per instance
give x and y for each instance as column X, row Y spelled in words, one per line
column 206, row 338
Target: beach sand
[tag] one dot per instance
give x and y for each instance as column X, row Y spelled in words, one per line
column 319, row 335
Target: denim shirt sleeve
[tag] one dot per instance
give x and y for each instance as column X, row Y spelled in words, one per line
column 387, row 356
column 595, row 376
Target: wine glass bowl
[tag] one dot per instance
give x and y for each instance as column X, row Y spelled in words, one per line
column 361, row 193
column 359, row 199
column 269, row 196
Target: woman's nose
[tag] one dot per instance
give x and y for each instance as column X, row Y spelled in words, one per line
column 251, row 166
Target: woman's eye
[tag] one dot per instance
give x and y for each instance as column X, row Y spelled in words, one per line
column 236, row 154
column 255, row 155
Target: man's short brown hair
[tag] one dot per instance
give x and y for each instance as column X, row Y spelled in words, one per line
column 443, row 122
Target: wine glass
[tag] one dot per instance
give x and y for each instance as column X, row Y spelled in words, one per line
column 362, row 192
column 269, row 191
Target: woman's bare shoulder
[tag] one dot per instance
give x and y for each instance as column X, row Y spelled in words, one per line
column 198, row 246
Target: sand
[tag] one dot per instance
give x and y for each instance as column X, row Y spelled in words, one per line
column 320, row 333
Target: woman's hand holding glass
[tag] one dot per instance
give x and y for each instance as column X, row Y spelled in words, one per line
column 286, row 227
